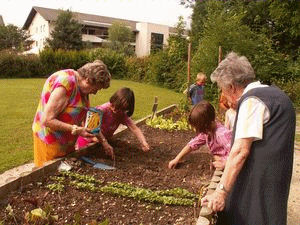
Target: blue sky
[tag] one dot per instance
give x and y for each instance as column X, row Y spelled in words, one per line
column 154, row 11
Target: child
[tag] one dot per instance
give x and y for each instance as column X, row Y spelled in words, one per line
column 209, row 132
column 118, row 110
column 230, row 117
column 196, row 91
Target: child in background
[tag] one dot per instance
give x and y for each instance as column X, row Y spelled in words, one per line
column 209, row 132
column 230, row 115
column 196, row 91
column 115, row 112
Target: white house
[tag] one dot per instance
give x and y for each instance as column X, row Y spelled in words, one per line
column 40, row 23
column 1, row 21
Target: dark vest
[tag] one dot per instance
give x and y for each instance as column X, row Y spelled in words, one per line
column 260, row 193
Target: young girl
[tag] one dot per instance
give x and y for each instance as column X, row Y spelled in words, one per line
column 209, row 132
column 115, row 112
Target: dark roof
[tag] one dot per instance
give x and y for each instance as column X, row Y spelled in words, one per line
column 1, row 21
column 83, row 18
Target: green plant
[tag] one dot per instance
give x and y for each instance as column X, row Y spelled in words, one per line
column 165, row 197
column 175, row 196
column 56, row 187
column 168, row 124
column 39, row 215
column 11, row 213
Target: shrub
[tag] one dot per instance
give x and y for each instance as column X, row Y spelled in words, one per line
column 136, row 68
column 61, row 59
column 19, row 66
column 115, row 62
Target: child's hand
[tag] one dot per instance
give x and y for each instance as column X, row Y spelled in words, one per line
column 109, row 150
column 220, row 164
column 145, row 147
column 173, row 163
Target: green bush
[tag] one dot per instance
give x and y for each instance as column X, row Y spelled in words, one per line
column 115, row 62
column 291, row 88
column 136, row 68
column 61, row 59
column 20, row 66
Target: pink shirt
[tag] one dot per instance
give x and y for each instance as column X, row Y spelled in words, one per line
column 219, row 145
column 110, row 123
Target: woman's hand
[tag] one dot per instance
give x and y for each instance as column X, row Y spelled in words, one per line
column 84, row 132
column 215, row 201
column 109, row 150
column 145, row 147
column 173, row 163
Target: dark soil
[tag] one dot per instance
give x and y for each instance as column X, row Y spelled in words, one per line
column 147, row 170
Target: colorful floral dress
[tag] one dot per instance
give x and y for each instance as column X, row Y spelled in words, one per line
column 74, row 112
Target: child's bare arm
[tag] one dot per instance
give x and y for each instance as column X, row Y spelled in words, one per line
column 140, row 136
column 107, row 147
column 187, row 149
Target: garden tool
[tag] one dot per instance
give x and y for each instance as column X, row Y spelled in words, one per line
column 154, row 107
column 97, row 165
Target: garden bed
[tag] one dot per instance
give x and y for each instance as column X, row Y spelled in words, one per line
column 135, row 168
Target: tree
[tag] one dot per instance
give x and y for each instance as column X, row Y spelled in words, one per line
column 67, row 33
column 177, row 43
column 120, row 37
column 12, row 37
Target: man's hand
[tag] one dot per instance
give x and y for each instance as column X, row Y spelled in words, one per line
column 215, row 201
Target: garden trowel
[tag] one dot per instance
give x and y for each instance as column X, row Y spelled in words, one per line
column 97, row 165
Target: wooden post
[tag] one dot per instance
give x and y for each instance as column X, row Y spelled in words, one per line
column 189, row 70
column 154, row 107
column 220, row 54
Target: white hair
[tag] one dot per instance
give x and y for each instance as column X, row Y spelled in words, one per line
column 233, row 70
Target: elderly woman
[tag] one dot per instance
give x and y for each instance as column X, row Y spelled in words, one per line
column 62, row 108
column 255, row 184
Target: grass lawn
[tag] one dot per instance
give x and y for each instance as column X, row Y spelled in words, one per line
column 19, row 99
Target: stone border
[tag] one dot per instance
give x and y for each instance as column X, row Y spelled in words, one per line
column 206, row 214
column 27, row 173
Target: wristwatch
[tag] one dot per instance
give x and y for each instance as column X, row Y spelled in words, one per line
column 221, row 187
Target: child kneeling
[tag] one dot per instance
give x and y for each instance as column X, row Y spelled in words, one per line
column 209, row 132
column 115, row 112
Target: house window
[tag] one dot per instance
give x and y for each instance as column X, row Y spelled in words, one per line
column 44, row 27
column 84, row 31
column 157, row 41
column 92, row 32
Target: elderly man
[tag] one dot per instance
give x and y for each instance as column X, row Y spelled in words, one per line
column 255, row 184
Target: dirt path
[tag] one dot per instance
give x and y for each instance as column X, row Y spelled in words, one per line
column 294, row 198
